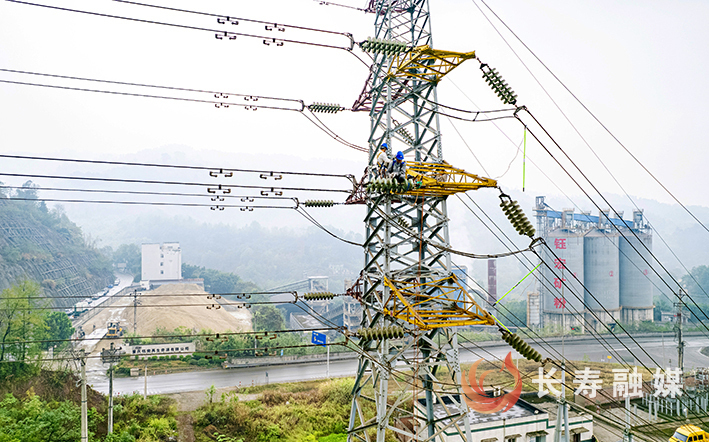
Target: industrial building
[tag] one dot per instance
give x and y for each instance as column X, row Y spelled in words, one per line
column 596, row 268
column 161, row 262
column 523, row 422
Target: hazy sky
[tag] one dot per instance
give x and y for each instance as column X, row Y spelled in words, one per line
column 640, row 66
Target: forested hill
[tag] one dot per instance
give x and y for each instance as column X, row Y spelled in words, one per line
column 45, row 246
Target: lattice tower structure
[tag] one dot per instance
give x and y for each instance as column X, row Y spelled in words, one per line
column 401, row 267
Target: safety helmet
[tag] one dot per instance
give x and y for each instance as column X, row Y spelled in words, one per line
column 400, row 156
column 384, row 146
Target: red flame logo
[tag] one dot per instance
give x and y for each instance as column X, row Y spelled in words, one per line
column 479, row 401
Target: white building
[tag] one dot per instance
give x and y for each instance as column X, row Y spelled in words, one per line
column 522, row 423
column 161, row 262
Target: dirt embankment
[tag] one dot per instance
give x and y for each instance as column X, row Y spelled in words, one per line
column 50, row 386
column 185, row 305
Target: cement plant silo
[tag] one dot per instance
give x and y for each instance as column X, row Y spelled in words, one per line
column 635, row 287
column 559, row 283
column 602, row 271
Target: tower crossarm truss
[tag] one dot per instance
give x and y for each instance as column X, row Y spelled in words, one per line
column 434, row 304
column 442, row 179
column 426, row 63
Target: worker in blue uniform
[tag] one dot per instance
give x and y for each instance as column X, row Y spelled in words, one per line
column 397, row 168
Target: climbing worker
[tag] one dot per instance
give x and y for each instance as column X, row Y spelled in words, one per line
column 397, row 168
column 382, row 160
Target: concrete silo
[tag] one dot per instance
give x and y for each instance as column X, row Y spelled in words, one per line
column 561, row 285
column 636, row 296
column 602, row 275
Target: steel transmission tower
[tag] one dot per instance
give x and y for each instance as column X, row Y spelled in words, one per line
column 407, row 282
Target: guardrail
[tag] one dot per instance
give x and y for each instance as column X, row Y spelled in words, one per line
column 283, row 360
column 304, row 359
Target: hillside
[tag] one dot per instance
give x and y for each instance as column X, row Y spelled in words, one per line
column 45, row 246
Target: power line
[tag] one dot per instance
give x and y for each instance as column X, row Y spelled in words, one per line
column 251, row 99
column 584, row 139
column 551, row 348
column 223, row 19
column 211, row 186
column 605, row 201
column 215, row 170
column 218, row 104
column 219, row 34
column 213, row 206
column 214, row 335
column 307, row 216
column 250, row 105
column 239, row 295
column 603, row 342
column 686, row 209
column 138, row 192
column 575, row 205
column 216, row 306
column 323, row 127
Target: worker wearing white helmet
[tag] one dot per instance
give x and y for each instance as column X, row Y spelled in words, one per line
column 382, row 160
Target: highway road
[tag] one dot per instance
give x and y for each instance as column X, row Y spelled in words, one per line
column 655, row 351
column 95, row 328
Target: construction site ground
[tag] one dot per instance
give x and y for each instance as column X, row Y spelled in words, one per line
column 167, row 307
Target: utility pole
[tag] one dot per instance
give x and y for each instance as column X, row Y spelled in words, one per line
column 110, row 356
column 145, row 386
column 627, row 434
column 135, row 311
column 84, row 409
column 678, row 331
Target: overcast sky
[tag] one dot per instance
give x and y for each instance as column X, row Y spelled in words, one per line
column 640, row 66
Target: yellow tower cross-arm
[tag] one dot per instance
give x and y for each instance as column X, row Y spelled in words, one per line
column 441, row 179
column 433, row 180
column 426, row 63
column 434, row 304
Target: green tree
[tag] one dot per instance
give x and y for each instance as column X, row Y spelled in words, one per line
column 698, row 284
column 20, row 321
column 31, row 419
column 59, row 328
column 131, row 255
column 216, row 281
column 267, row 318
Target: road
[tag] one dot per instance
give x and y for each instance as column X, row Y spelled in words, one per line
column 95, row 329
column 661, row 351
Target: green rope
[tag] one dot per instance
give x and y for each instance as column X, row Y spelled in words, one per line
column 524, row 159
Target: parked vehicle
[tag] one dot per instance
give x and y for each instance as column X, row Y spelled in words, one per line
column 689, row 433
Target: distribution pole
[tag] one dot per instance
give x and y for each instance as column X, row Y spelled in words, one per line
column 135, row 312
column 110, row 398
column 678, row 329
column 110, row 357
column 627, row 435
column 84, row 409
column 145, row 386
